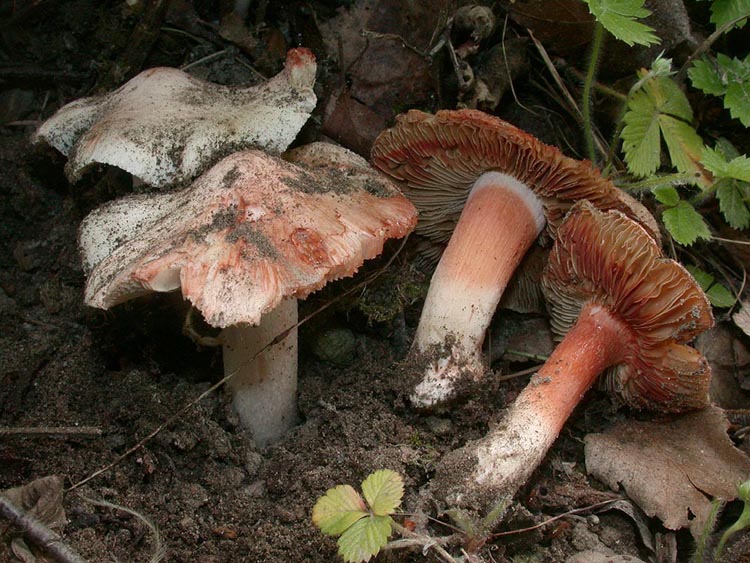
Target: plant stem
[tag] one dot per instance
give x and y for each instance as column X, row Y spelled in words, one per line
column 742, row 522
column 588, row 125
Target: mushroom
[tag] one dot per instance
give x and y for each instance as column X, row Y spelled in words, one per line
column 247, row 239
column 624, row 310
column 504, row 184
column 164, row 126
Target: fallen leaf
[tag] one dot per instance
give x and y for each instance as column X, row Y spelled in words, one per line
column 41, row 500
column 742, row 318
column 671, row 468
column 383, row 74
column 729, row 359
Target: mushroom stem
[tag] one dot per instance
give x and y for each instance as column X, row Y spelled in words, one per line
column 500, row 220
column 493, row 468
column 264, row 389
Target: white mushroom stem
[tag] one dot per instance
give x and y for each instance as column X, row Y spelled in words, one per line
column 486, row 471
column 500, row 220
column 264, row 389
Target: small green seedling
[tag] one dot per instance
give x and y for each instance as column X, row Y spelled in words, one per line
column 742, row 523
column 364, row 525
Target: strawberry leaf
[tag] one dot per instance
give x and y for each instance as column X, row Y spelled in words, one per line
column 338, row 510
column 383, row 490
column 685, row 224
column 365, row 538
column 620, row 18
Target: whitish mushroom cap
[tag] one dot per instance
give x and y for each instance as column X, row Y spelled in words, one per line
column 436, row 158
column 251, row 231
column 606, row 259
column 164, row 126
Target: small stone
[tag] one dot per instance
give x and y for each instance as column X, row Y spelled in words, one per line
column 335, row 345
column 439, row 426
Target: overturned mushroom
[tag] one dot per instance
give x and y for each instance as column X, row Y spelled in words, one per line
column 504, row 184
column 625, row 310
column 164, row 126
column 246, row 240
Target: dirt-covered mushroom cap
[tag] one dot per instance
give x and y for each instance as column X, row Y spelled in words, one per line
column 249, row 232
column 165, row 126
column 605, row 259
column 437, row 158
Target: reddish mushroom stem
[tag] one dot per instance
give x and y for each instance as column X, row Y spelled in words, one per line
column 505, row 458
column 499, row 221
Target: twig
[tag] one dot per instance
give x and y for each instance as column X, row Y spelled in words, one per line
column 703, row 47
column 564, row 89
column 526, row 371
column 39, row 533
column 413, row 539
column 732, row 241
column 554, row 518
column 206, row 59
column 50, row 431
column 278, row 338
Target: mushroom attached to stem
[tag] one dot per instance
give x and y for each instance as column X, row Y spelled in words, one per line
column 498, row 186
column 246, row 240
column 625, row 311
column 165, row 126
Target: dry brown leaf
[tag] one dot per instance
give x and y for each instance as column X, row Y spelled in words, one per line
column 730, row 366
column 672, row 468
column 42, row 500
column 742, row 318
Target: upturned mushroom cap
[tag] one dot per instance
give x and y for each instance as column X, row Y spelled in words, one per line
column 436, row 159
column 164, row 126
column 249, row 232
column 605, row 259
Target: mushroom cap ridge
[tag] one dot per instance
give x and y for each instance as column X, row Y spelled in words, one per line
column 606, row 259
column 166, row 126
column 251, row 231
column 436, row 159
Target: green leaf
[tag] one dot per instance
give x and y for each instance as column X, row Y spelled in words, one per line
column 724, row 11
column 383, row 490
column 734, row 198
column 704, row 76
column 365, row 538
column 619, row 17
column 666, row 195
column 685, row 224
column 338, row 510
column 737, row 101
column 717, row 294
column 720, row 296
column 661, row 109
column 728, row 77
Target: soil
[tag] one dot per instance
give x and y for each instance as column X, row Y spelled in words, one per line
column 114, row 377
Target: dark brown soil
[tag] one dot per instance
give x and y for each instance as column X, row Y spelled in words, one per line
column 214, row 497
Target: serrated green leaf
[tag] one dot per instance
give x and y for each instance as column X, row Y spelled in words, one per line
column 383, row 490
column 737, row 101
column 724, row 11
column 705, row 76
column 728, row 77
column 619, row 17
column 364, row 539
column 703, row 278
column 661, row 109
column 666, row 195
column 717, row 294
column 734, row 198
column 685, row 224
column 715, row 160
column 720, row 296
column 338, row 510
